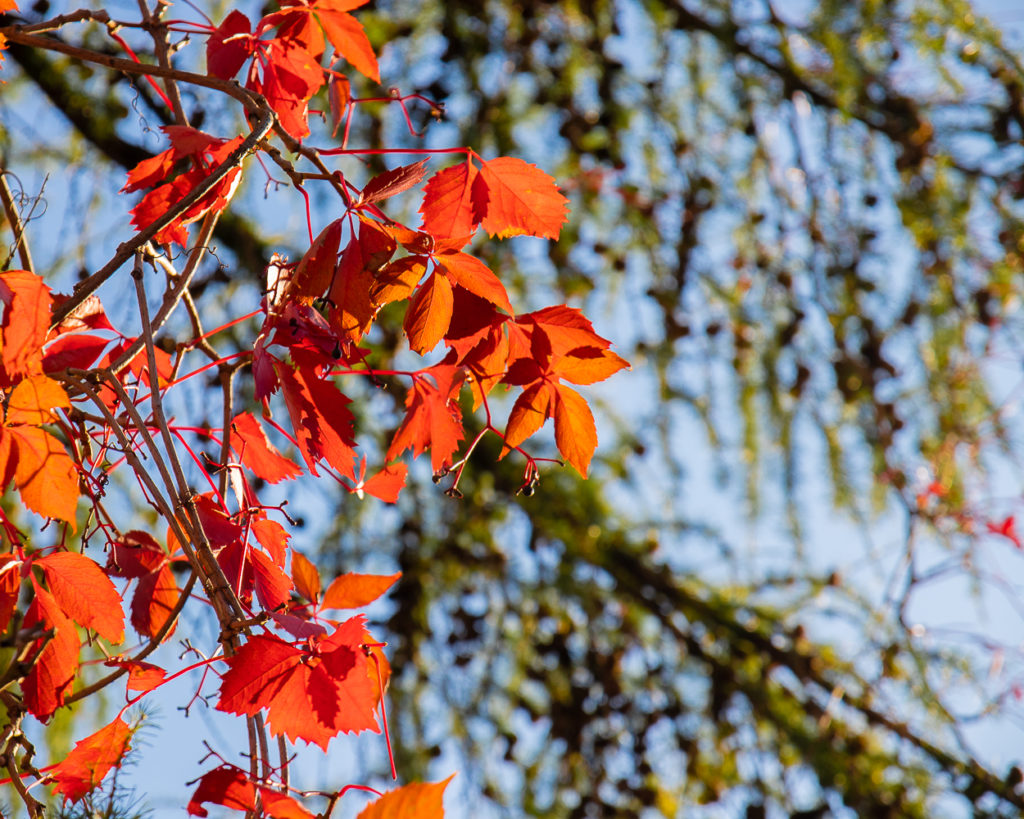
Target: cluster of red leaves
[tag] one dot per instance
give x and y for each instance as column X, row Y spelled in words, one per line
column 310, row 676
column 286, row 68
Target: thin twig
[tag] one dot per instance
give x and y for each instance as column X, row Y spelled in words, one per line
column 17, row 226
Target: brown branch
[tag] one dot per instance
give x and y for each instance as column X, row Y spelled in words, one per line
column 17, row 226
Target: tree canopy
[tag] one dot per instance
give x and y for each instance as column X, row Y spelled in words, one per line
column 792, row 583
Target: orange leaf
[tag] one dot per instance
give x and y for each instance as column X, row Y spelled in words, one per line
column 310, row 694
column 432, row 418
column 349, row 39
column 257, row 453
column 398, row 280
column 476, row 277
column 449, row 208
column 10, row 588
column 91, row 759
column 422, row 800
column 44, row 474
column 84, row 593
column 386, row 484
column 26, row 322
column 315, row 270
column 429, row 314
column 142, row 676
column 521, row 199
column 588, row 365
column 531, row 410
column 305, row 577
column 33, row 398
column 575, row 432
column 393, row 182
column 353, row 591
column 154, row 600
column 54, row 671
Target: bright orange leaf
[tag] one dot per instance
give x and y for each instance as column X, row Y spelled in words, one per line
column 353, row 591
column 422, row 800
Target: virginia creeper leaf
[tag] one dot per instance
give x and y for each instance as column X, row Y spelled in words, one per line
column 575, row 432
column 422, row 800
column 521, row 199
column 84, row 593
column 353, row 591
column 449, row 207
column 91, row 759
column 257, row 453
column 429, row 313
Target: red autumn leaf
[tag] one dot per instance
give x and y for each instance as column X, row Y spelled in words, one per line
column 142, row 676
column 272, row 585
column 79, row 350
column 257, row 453
column 521, row 199
column 339, row 94
column 529, row 413
column 588, row 365
column 575, row 432
column 231, row 788
column 230, row 45
column 154, row 600
column 136, row 554
column 353, row 591
column 476, row 277
column 291, row 76
column 26, row 322
column 91, row 759
column 10, row 586
column 54, row 671
column 422, row 800
column 44, row 474
column 315, row 270
column 449, row 207
column 352, row 310
column 207, row 152
column 386, row 484
column 432, row 419
column 272, row 536
column 84, row 593
column 349, row 39
column 310, row 694
column 320, row 418
column 429, row 313
column 32, row 399
column 222, row 786
column 281, row 806
column 390, row 183
column 305, row 577
column 398, row 280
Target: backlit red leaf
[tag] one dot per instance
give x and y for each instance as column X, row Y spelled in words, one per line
column 27, row 305
column 429, row 313
column 44, row 474
column 305, row 577
column 230, row 45
column 32, row 399
column 257, row 453
column 390, row 183
column 142, row 676
column 422, row 800
column 476, row 277
column 386, row 484
column 353, row 591
column 575, row 432
column 222, row 786
column 309, row 694
column 349, row 39
column 84, row 593
column 91, row 760
column 449, row 207
column 154, row 600
column 529, row 413
column 432, row 419
column 521, row 199
column 54, row 671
